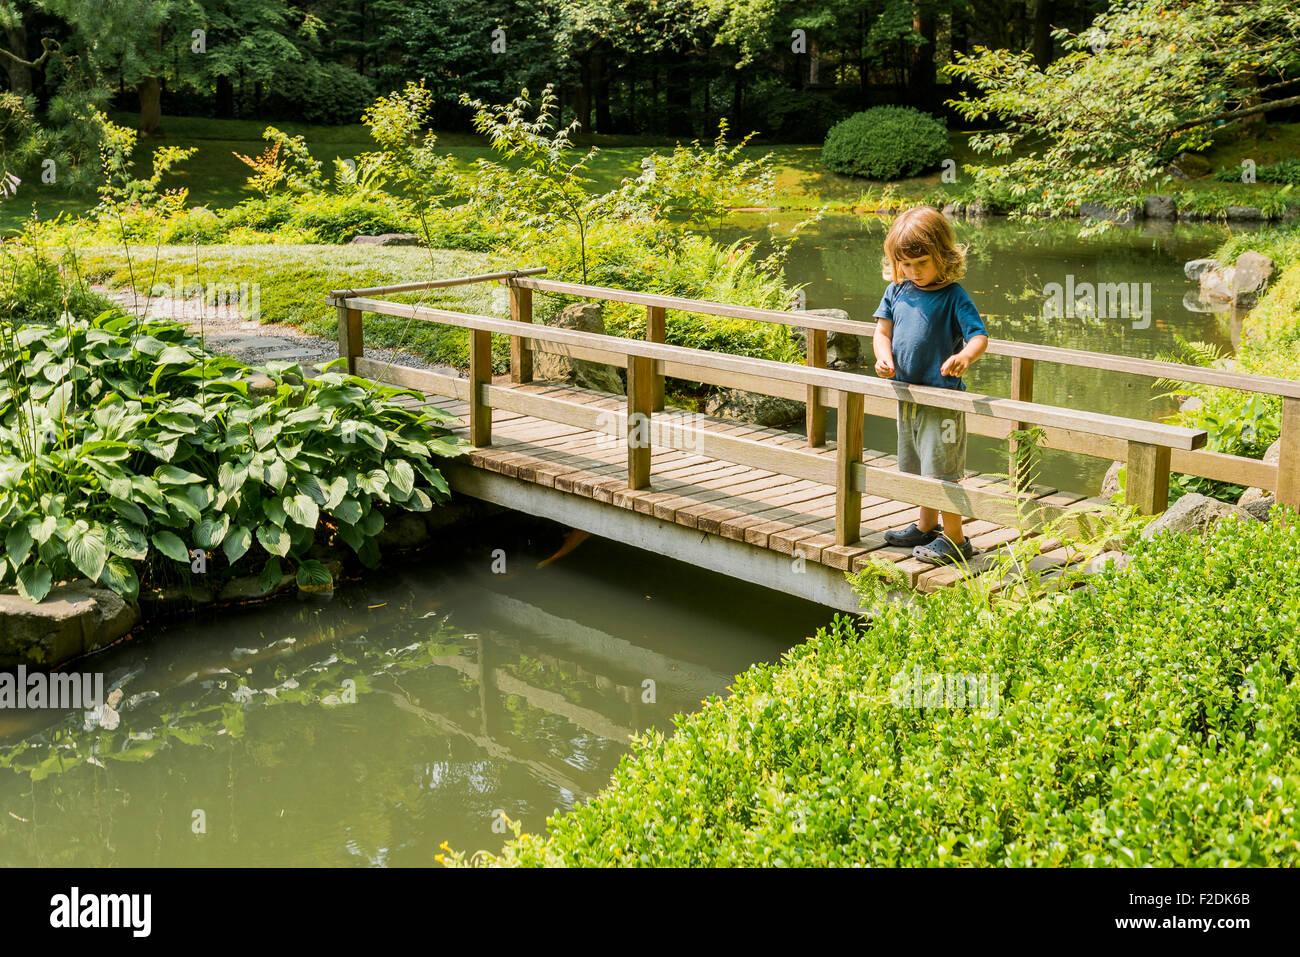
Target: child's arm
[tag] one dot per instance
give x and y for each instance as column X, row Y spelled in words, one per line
column 883, row 343
column 956, row 365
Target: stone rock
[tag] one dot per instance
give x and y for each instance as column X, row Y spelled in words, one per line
column 1247, row 213
column 387, row 239
column 404, row 530
column 841, row 347
column 1217, row 283
column 175, row 599
column 754, row 408
column 1109, row 213
column 247, row 588
column 1160, row 207
column 1110, row 483
column 1191, row 403
column 1194, row 216
column 260, row 384
column 584, row 317
column 1193, row 268
column 1195, row 513
column 1250, row 277
column 1186, row 165
column 979, row 208
column 1261, row 508
column 75, row 618
column 1271, row 457
column 954, row 210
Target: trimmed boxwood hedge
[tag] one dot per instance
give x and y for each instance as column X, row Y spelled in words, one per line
column 1153, row 718
column 885, row 142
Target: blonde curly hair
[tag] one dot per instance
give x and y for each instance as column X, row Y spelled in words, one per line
column 923, row 231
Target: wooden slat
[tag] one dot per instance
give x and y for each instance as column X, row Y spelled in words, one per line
column 1146, row 482
column 521, row 357
column 640, row 404
column 656, row 330
column 351, row 342
column 815, row 411
column 480, row 375
column 1022, row 388
column 1288, row 463
column 434, row 283
column 848, row 453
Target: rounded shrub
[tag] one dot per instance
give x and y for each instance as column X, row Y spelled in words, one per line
column 885, row 142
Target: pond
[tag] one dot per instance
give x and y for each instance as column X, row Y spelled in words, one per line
column 414, row 708
column 1011, row 269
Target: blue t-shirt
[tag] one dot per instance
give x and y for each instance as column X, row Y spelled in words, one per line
column 929, row 327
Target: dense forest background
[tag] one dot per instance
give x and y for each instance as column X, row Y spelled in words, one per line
column 787, row 68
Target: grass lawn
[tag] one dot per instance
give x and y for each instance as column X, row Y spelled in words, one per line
column 296, row 279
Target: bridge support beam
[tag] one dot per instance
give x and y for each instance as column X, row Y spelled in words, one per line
column 792, row 575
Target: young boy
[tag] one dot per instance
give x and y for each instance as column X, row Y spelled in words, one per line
column 929, row 334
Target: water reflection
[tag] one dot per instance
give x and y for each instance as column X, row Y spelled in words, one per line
column 410, row 710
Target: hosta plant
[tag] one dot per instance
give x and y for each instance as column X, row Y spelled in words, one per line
column 128, row 450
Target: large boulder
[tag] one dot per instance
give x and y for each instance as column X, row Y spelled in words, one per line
column 754, row 408
column 387, row 239
column 1160, row 207
column 1261, row 508
column 75, row 618
column 842, row 348
column 1244, row 213
column 583, row 317
column 1272, row 457
column 1217, row 283
column 1195, row 514
column 1110, row 482
column 1250, row 277
column 1108, row 213
column 1193, row 268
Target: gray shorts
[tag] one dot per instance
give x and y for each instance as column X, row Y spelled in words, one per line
column 931, row 441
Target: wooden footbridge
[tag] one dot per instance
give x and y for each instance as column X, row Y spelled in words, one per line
column 790, row 511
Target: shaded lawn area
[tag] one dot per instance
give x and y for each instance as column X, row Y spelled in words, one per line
column 295, row 280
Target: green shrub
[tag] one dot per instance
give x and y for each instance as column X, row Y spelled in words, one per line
column 1153, row 719
column 125, row 446
column 318, row 92
column 337, row 219
column 885, row 142
column 1286, row 172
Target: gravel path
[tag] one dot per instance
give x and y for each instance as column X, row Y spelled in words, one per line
column 227, row 331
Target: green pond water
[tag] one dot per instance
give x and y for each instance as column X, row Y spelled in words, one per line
column 1009, row 267
column 420, row 705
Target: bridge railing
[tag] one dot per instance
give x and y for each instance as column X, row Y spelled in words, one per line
column 1147, row 445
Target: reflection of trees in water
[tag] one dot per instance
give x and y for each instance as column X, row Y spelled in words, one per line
column 229, row 742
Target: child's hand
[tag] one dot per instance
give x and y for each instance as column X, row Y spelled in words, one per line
column 885, row 367
column 955, row 365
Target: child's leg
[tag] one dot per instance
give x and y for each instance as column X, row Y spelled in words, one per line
column 943, row 456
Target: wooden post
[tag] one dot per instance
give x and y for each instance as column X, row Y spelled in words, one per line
column 521, row 354
column 656, row 330
column 1288, row 462
column 1146, row 485
column 1022, row 388
column 350, row 342
column 815, row 414
column 640, row 393
column 848, row 438
column 480, row 375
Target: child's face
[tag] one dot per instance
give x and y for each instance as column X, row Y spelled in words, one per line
column 922, row 270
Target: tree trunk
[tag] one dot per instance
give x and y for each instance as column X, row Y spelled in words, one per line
column 924, row 22
column 150, row 90
column 600, row 85
column 738, row 101
column 679, row 101
column 225, row 98
column 20, row 75
column 1042, row 33
column 582, row 103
